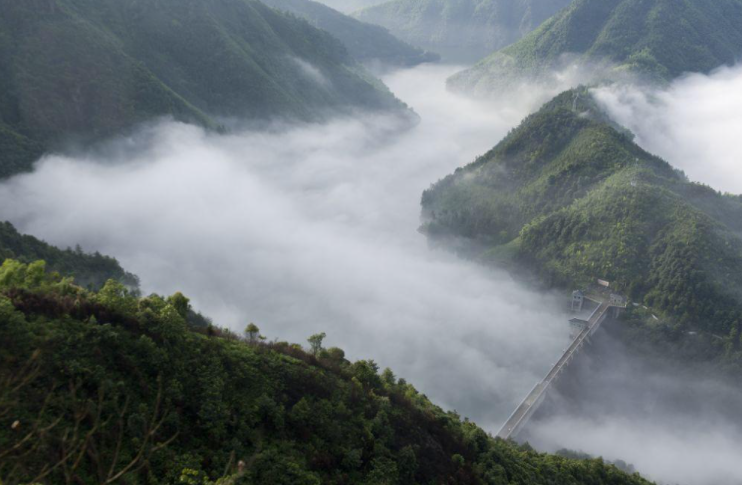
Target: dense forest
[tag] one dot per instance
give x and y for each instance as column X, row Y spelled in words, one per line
column 571, row 196
column 104, row 387
column 365, row 42
column 461, row 30
column 649, row 40
column 88, row 270
column 76, row 70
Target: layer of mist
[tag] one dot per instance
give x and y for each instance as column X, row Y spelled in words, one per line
column 674, row 424
column 695, row 123
column 314, row 228
column 309, row 228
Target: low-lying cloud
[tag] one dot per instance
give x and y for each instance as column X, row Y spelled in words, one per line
column 314, row 228
column 310, row 228
column 695, row 123
column 673, row 424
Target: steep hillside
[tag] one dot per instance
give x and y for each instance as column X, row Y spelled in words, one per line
column 365, row 42
column 88, row 270
column 348, row 6
column 105, row 388
column 461, row 30
column 82, row 69
column 657, row 40
column 570, row 195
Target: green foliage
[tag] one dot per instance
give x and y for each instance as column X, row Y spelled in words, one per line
column 89, row 270
column 85, row 69
column 461, row 30
column 654, row 39
column 252, row 333
column 109, row 388
column 574, row 198
column 315, row 343
column 365, row 42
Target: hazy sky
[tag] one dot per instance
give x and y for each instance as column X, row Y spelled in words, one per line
column 695, row 124
column 314, row 229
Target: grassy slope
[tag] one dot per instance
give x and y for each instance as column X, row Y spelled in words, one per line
column 365, row 42
column 579, row 200
column 461, row 30
column 656, row 39
column 185, row 405
column 90, row 68
column 88, row 270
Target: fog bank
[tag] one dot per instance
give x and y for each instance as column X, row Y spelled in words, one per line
column 695, row 124
column 314, row 228
column 675, row 424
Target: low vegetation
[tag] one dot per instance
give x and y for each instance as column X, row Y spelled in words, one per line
column 104, row 387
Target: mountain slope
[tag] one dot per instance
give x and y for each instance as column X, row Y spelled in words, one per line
column 461, row 30
column 83, row 69
column 105, row 388
column 348, row 6
column 569, row 194
column 655, row 39
column 365, row 42
column 88, row 270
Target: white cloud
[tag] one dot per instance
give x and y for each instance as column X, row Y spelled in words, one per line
column 695, row 124
column 676, row 424
column 314, row 228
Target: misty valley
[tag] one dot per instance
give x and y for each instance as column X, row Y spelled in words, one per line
column 375, row 242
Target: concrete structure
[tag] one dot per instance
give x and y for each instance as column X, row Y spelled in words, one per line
column 578, row 299
column 533, row 400
column 576, row 325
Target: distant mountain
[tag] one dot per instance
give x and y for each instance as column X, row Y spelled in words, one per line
column 103, row 387
column 461, row 30
column 365, row 42
column 88, row 270
column 654, row 39
column 570, row 195
column 90, row 68
column 348, row 6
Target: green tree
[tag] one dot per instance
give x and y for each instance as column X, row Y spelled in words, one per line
column 315, row 342
column 252, row 333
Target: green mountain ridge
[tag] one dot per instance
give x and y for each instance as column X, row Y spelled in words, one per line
column 103, row 387
column 461, row 30
column 85, row 69
column 648, row 40
column 572, row 197
column 88, row 270
column 365, row 42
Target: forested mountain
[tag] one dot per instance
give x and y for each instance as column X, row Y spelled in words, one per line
column 652, row 39
column 365, row 42
column 90, row 68
column 461, row 30
column 570, row 195
column 88, row 270
column 348, row 6
column 107, row 388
